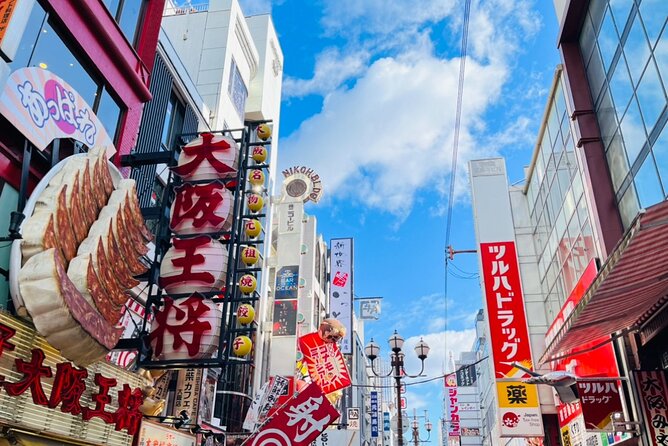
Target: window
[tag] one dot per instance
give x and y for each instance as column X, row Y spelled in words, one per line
column 128, row 15
column 647, row 184
column 237, row 90
column 173, row 125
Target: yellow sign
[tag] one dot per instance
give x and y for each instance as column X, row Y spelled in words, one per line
column 6, row 11
column 517, row 394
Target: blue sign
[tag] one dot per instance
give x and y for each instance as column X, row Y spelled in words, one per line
column 374, row 414
column 386, row 421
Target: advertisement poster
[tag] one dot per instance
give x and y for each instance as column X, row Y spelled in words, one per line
column 452, row 406
column 325, row 363
column 287, row 281
column 285, row 318
column 374, row 414
column 341, row 287
column 519, row 408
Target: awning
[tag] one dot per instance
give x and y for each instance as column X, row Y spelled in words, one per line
column 631, row 286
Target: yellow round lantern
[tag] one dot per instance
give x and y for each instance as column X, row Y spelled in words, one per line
column 245, row 314
column 256, row 177
column 247, row 283
column 259, row 154
column 250, row 255
column 263, row 132
column 253, row 228
column 255, row 202
column 242, row 345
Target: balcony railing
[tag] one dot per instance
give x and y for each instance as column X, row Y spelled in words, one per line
column 187, row 8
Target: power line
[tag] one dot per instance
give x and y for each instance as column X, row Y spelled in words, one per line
column 455, row 147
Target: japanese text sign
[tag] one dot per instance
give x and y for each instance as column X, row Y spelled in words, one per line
column 452, row 406
column 341, row 288
column 279, row 388
column 653, row 392
column 153, row 434
column 599, row 400
column 299, row 422
column 466, row 376
column 325, row 363
column 44, row 107
column 61, row 398
column 519, row 406
column 188, row 387
column 374, row 413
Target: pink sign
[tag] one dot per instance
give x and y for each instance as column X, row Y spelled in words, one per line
column 44, row 107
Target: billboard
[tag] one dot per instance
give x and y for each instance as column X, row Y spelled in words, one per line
column 519, row 408
column 341, row 287
column 452, row 406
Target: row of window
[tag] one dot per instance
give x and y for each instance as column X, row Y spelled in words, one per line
column 624, row 44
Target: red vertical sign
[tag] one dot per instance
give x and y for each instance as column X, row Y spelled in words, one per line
column 505, row 305
column 653, row 392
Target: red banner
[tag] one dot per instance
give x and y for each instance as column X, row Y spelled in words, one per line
column 325, row 363
column 653, row 392
column 599, row 400
column 299, row 422
column 507, row 319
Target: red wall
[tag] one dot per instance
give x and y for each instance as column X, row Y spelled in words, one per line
column 125, row 71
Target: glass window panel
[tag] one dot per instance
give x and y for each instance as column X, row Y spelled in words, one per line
column 620, row 11
column 168, row 122
column 131, row 18
column 633, row 131
column 560, row 101
column 636, row 50
column 577, row 187
column 52, row 54
column 29, row 40
column 583, row 214
column 112, row 6
column 660, row 150
column 108, row 112
column 589, row 244
column 617, row 161
column 607, row 117
column 651, row 97
column 608, row 40
column 587, row 38
column 647, row 184
column 654, row 14
column 237, row 90
column 628, row 206
column 621, row 87
column 569, row 203
column 661, row 55
column 595, row 73
column 596, row 11
column 553, row 127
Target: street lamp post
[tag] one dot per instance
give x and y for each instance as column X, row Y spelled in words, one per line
column 397, row 371
column 415, row 425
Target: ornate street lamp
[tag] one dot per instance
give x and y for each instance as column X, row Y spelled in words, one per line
column 398, row 372
column 415, row 425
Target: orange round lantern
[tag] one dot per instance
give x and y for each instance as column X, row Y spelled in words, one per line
column 245, row 314
column 250, row 255
column 263, row 132
column 259, row 154
column 247, row 283
column 253, row 228
column 255, row 202
column 242, row 345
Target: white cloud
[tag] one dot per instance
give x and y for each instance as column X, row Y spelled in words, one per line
column 442, row 344
column 332, row 68
column 390, row 134
column 253, row 7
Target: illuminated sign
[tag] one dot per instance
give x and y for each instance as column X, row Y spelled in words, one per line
column 64, row 400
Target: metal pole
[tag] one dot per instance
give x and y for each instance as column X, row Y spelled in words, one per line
column 397, row 379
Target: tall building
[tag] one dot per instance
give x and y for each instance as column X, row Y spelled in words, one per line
column 588, row 223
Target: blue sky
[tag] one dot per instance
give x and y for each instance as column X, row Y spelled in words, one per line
column 369, row 100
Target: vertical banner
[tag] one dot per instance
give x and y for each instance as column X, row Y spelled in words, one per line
column 452, row 406
column 341, row 287
column 374, row 414
column 188, row 385
column 653, row 392
column 466, row 376
column 519, row 408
